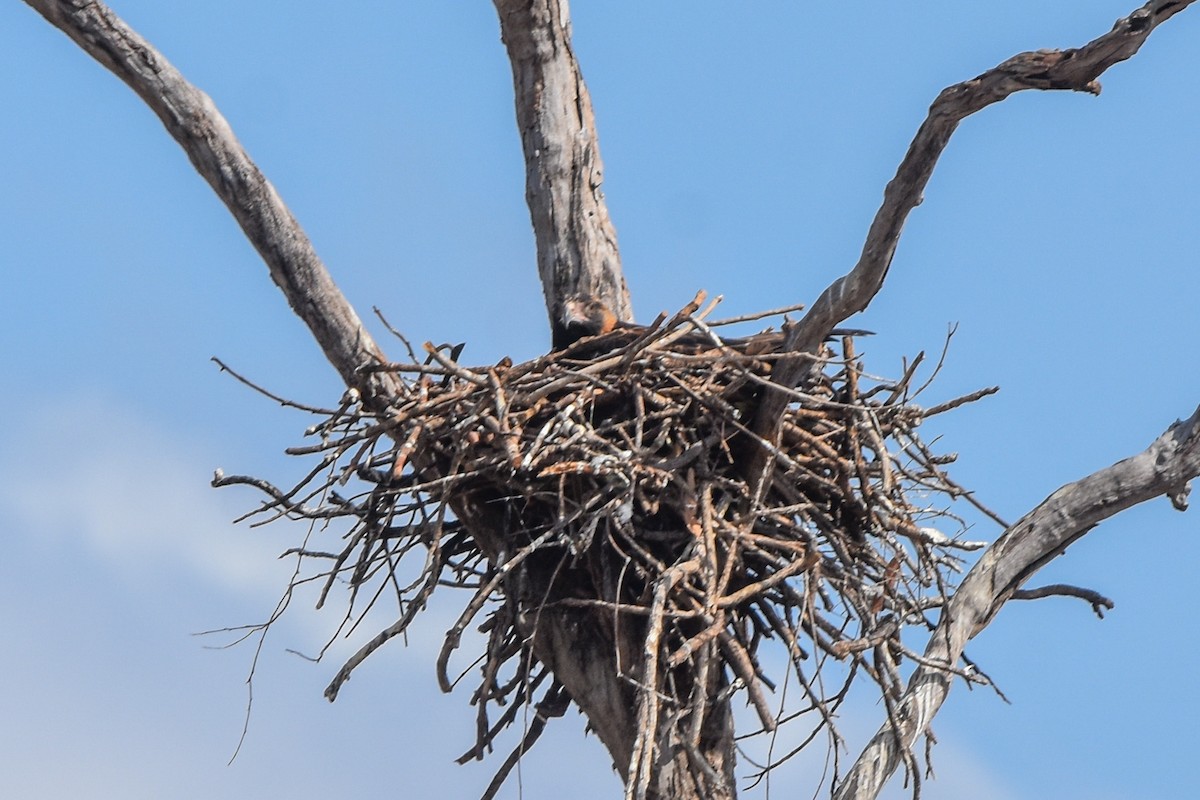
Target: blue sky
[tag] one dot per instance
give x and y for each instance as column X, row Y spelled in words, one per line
column 746, row 149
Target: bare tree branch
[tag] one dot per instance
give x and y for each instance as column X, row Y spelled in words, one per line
column 1165, row 468
column 1097, row 601
column 1072, row 69
column 194, row 121
column 576, row 243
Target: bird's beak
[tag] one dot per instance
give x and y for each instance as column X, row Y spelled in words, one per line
column 571, row 315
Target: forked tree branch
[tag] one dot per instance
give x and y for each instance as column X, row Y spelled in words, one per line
column 1074, row 69
column 195, row 123
column 576, row 243
column 1165, row 468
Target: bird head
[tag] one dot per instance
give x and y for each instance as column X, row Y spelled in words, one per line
column 583, row 315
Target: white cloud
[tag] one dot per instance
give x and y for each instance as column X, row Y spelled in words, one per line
column 91, row 475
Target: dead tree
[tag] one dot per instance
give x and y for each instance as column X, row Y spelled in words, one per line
column 638, row 514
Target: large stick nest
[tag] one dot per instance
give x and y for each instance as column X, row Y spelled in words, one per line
column 611, row 474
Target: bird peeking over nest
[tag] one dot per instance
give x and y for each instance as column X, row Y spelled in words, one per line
column 583, row 316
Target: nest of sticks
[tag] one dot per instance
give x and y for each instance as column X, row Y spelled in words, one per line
column 611, row 478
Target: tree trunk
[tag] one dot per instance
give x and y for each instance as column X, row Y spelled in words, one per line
column 576, row 243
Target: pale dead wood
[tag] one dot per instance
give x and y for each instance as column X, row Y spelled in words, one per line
column 576, row 242
column 1097, row 601
column 1072, row 69
column 193, row 120
column 1165, row 468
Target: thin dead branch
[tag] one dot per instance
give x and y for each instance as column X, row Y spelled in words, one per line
column 1075, row 69
column 1097, row 601
column 193, row 120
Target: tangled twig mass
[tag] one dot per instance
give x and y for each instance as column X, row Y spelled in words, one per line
column 616, row 466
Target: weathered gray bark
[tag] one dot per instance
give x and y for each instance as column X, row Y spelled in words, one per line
column 576, row 243
column 1164, row 468
column 577, row 253
column 1073, row 69
column 194, row 121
